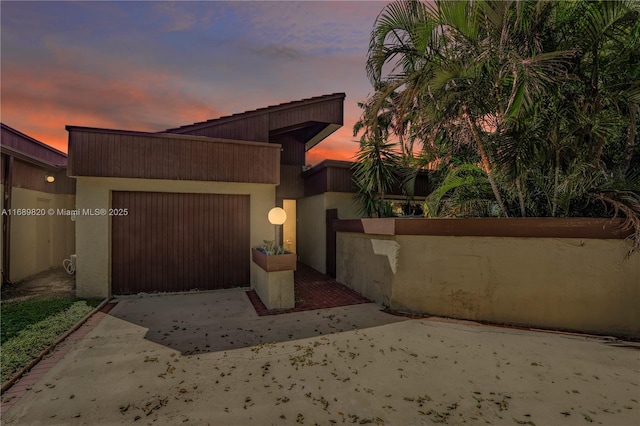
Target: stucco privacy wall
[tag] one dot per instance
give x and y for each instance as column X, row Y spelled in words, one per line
column 93, row 233
column 312, row 229
column 565, row 283
column 29, row 255
column 1, row 224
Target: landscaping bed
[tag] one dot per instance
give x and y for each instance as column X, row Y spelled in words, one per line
column 30, row 326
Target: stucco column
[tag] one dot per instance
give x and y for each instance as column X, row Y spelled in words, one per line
column 93, row 239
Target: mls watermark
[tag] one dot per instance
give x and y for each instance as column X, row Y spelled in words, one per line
column 65, row 212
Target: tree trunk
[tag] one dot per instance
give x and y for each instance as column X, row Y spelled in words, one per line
column 596, row 104
column 485, row 161
column 631, row 139
column 556, row 178
column 523, row 210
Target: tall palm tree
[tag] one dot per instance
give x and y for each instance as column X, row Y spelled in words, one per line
column 485, row 72
column 463, row 64
column 375, row 173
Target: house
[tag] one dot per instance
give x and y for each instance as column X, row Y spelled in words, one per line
column 34, row 181
column 179, row 210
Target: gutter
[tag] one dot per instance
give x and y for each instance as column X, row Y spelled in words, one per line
column 6, row 221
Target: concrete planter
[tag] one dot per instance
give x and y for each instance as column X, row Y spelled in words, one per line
column 281, row 262
column 274, row 279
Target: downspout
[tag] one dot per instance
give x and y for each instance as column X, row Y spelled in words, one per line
column 6, row 220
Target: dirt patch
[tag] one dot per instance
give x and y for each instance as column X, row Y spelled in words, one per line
column 51, row 283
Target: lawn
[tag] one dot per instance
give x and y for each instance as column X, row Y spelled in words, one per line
column 29, row 326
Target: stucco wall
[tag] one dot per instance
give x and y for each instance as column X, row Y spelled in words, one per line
column 361, row 269
column 344, row 202
column 312, row 229
column 289, row 229
column 93, row 233
column 39, row 242
column 576, row 284
column 1, row 224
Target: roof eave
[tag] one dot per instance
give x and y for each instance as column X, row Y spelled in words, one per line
column 323, row 134
column 259, row 111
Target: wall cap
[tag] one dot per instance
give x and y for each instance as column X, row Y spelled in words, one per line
column 539, row 227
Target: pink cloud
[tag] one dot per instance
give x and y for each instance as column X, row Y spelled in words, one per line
column 132, row 78
column 140, row 101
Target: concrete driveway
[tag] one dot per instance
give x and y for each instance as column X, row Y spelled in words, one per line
column 207, row 358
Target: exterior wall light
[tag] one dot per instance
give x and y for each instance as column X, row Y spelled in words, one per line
column 49, row 178
column 277, row 216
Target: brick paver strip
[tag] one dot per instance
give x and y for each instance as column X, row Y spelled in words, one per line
column 313, row 290
column 24, row 384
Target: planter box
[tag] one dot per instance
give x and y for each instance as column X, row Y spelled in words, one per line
column 281, row 262
column 273, row 279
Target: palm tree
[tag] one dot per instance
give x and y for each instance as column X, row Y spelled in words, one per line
column 464, row 65
column 390, row 119
column 375, row 173
column 487, row 74
column 606, row 36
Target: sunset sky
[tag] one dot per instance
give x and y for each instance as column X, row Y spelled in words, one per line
column 150, row 66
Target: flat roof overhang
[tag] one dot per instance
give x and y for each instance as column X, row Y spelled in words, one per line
column 130, row 154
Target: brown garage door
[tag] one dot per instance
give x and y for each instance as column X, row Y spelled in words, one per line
column 178, row 242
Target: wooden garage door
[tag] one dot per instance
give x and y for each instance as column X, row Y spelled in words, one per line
column 178, row 242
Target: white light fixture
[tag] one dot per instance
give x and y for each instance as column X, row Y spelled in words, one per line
column 277, row 216
column 49, row 178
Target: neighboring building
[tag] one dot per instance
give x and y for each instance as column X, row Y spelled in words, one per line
column 33, row 240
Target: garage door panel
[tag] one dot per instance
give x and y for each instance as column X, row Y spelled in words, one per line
column 179, row 242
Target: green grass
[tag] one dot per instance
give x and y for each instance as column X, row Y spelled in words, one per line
column 30, row 326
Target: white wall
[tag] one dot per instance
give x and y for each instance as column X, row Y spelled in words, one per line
column 312, row 229
column 289, row 229
column 39, row 242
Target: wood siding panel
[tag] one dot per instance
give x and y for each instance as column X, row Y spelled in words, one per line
column 255, row 125
column 293, row 148
column 340, row 180
column 247, row 129
column 291, row 184
column 31, row 147
column 315, row 183
column 173, row 242
column 330, row 111
column 29, row 176
column 337, row 176
column 156, row 156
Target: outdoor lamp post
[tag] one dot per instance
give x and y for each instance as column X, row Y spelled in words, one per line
column 277, row 217
column 273, row 276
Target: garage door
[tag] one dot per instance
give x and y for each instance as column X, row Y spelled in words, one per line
column 172, row 242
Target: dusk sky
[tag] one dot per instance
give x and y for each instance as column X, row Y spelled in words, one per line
column 150, row 66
